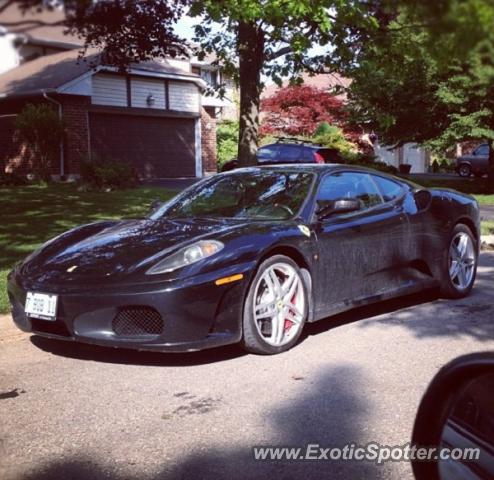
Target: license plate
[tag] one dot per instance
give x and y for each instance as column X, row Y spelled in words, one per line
column 41, row 305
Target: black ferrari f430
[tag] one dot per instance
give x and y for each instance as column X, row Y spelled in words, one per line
column 248, row 256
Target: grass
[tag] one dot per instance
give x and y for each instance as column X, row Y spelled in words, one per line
column 487, row 227
column 32, row 215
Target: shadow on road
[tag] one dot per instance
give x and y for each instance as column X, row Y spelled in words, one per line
column 314, row 417
column 124, row 356
column 369, row 311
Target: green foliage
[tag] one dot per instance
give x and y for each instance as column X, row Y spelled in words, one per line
column 332, row 136
column 422, row 71
column 322, row 129
column 42, row 130
column 227, row 141
column 107, row 174
column 288, row 29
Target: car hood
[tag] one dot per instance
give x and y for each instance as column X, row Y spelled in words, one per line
column 109, row 249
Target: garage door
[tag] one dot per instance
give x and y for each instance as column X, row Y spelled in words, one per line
column 157, row 147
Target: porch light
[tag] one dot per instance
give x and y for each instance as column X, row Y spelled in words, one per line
column 150, row 100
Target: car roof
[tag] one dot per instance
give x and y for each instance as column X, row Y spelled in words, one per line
column 318, row 168
column 313, row 146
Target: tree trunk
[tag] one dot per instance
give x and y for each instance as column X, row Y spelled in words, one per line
column 251, row 57
column 490, row 174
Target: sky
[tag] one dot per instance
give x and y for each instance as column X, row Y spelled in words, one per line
column 185, row 27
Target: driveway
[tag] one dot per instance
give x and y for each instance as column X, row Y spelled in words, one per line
column 80, row 412
column 487, row 212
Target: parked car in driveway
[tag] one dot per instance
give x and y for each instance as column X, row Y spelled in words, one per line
column 476, row 163
column 248, row 256
column 290, row 150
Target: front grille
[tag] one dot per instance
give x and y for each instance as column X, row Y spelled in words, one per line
column 53, row 327
column 137, row 321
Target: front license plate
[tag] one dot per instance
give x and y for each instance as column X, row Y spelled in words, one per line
column 41, row 305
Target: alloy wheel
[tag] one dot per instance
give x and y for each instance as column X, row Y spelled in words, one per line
column 462, row 261
column 279, row 304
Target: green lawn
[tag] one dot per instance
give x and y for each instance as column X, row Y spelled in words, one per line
column 487, row 227
column 34, row 214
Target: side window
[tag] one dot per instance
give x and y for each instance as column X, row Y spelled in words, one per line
column 290, row 153
column 267, row 154
column 350, row 185
column 389, row 189
column 482, row 150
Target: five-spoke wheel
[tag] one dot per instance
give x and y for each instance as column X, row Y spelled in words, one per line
column 276, row 306
column 461, row 263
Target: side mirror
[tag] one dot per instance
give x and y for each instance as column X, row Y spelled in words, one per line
column 456, row 419
column 334, row 207
column 423, row 199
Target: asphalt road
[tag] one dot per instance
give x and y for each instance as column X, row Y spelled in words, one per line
column 487, row 212
column 70, row 411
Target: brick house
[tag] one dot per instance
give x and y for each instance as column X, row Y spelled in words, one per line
column 156, row 116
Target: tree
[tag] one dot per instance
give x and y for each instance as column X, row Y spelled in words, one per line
column 298, row 110
column 258, row 37
column 125, row 30
column 42, row 130
column 423, row 72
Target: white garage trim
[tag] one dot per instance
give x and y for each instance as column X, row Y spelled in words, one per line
column 198, row 148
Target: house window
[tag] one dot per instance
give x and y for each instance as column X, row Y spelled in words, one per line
column 210, row 77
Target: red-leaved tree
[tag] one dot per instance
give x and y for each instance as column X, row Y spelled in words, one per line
column 298, row 110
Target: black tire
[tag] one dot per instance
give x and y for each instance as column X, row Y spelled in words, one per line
column 252, row 341
column 464, row 170
column 448, row 287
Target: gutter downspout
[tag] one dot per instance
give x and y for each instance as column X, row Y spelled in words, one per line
column 62, row 151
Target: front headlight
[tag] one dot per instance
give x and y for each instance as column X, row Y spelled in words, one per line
column 186, row 256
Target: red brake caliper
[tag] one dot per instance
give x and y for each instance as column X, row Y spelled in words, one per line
column 289, row 323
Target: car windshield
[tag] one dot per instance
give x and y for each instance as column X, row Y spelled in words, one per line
column 253, row 194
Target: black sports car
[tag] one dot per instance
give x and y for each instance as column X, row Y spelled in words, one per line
column 248, row 256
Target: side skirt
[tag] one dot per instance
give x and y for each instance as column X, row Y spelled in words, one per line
column 401, row 291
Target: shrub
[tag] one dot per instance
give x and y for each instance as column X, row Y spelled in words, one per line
column 435, row 166
column 227, row 141
column 42, row 130
column 13, row 179
column 105, row 173
column 331, row 136
column 322, row 128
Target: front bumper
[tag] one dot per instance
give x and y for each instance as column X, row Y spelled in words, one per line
column 195, row 312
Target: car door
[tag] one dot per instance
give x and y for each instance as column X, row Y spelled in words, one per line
column 359, row 252
column 480, row 159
